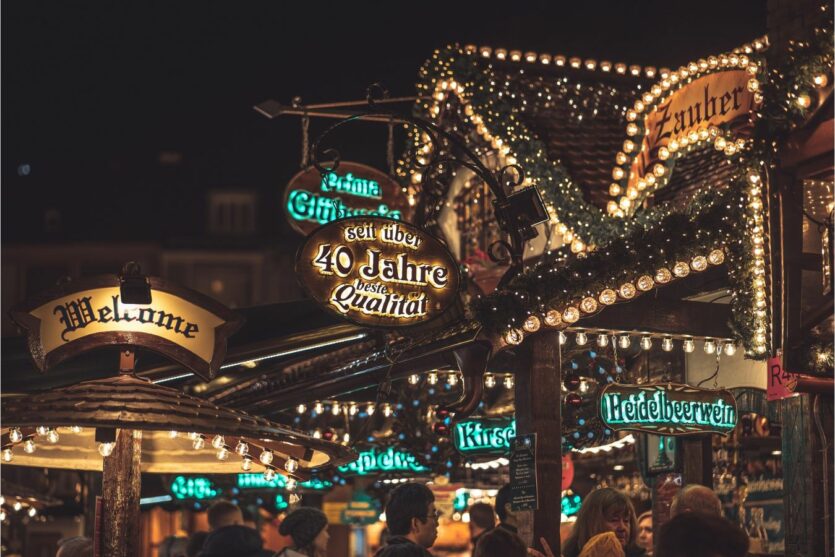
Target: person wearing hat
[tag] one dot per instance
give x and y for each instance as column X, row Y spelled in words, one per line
column 309, row 529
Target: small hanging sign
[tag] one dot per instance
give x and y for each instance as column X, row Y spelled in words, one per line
column 523, row 485
column 484, row 436
column 378, row 272
column 374, row 461
column 83, row 315
column 352, row 190
column 667, row 409
column 780, row 383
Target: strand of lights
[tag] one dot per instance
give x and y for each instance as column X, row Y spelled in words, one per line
column 567, row 316
column 658, row 94
column 490, row 380
column 647, row 339
column 608, row 447
column 340, row 408
column 756, row 224
column 489, row 465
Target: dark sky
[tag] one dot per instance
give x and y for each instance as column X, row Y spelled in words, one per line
column 93, row 91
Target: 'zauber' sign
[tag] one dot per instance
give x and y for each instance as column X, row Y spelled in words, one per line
column 378, row 272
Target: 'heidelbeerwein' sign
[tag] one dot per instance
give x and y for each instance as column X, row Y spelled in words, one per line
column 484, row 436
column 378, row 272
column 374, row 461
column 352, row 190
column 82, row 315
column 668, row 409
column 720, row 99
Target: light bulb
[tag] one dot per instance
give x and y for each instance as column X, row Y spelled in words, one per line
column 452, row 379
column 173, row 434
column 432, row 378
column 291, row 465
column 52, row 436
column 29, row 446
column 41, row 430
column 266, row 457
column 646, row 342
column 3, row 515
column 563, row 338
column 352, row 409
column 346, row 438
column 18, row 505
column 222, row 453
column 489, row 380
column 369, row 409
column 242, row 448
column 246, row 464
column 508, row 382
column 336, row 409
column 301, row 408
column 7, row 455
column 317, row 434
column 193, row 435
column 199, row 442
column 76, row 429
column 602, row 340
column 291, row 484
column 269, row 474
column 32, row 511
column 318, row 408
column 414, row 379
column 689, row 345
column 710, row 346
column 624, row 341
column 730, row 348
column 387, row 410
column 218, row 442
column 15, row 436
column 106, row 449
column 582, row 339
column 667, row 344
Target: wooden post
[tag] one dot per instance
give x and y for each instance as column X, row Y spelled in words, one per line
column 698, row 460
column 538, row 405
column 121, row 481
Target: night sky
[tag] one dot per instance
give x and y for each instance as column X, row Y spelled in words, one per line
column 93, row 91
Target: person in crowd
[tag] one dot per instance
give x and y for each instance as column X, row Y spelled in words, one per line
column 229, row 536
column 696, row 534
column 508, row 520
column 309, row 529
column 482, row 520
column 195, row 543
column 412, row 521
column 77, row 546
column 644, row 539
column 499, row 542
column 249, row 519
column 604, row 510
column 173, row 546
column 697, row 498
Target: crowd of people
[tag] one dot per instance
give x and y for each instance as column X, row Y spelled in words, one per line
column 606, row 526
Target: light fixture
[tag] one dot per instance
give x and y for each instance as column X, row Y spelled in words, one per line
column 489, row 380
column 689, row 345
column 291, row 465
column 318, row 407
column 508, row 382
column 269, row 474
column 242, row 448
column 452, row 379
column 29, row 446
column 582, row 338
column 222, row 453
column 218, row 441
column 246, row 464
column 730, row 348
column 32, row 511
column 710, row 346
column 369, row 409
column 602, row 340
column 301, row 408
column 7, row 454
column 617, row 467
column 266, row 457
column 106, row 449
column 15, row 436
column 199, row 442
column 563, row 338
column 173, row 434
column 41, row 430
column 667, row 344
column 352, row 409
column 432, row 378
column 52, row 436
column 414, row 379
column 335, row 409
column 646, row 342
column 624, row 341
column 387, row 411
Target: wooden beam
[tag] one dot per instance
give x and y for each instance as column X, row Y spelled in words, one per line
column 659, row 316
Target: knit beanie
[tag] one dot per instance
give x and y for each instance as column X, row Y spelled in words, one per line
column 303, row 525
column 603, row 545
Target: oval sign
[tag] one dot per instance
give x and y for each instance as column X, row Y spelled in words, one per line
column 353, row 190
column 378, row 272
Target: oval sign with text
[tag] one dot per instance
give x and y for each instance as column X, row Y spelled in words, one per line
column 352, row 190
column 378, row 272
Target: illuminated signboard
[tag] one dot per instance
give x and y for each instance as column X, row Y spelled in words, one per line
column 279, row 481
column 352, row 190
column 388, row 460
column 570, row 504
column 193, row 488
column 82, row 315
column 668, row 409
column 488, row 436
column 378, row 272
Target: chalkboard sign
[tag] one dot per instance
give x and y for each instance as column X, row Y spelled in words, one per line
column 523, row 493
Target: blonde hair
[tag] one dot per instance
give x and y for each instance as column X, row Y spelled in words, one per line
column 591, row 520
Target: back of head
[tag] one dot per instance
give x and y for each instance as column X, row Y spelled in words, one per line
column 224, row 513
column 693, row 534
column 173, row 546
column 78, row 546
column 303, row 525
column 502, row 500
column 598, row 506
column 500, row 543
column 195, row 543
column 482, row 515
column 696, row 498
column 401, row 550
column 407, row 501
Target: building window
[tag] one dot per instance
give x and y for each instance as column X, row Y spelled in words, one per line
column 232, row 213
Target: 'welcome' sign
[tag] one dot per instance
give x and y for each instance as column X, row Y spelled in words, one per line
column 378, row 272
column 82, row 315
column 668, row 409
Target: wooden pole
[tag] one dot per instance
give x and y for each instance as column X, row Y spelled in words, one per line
column 538, row 406
column 121, row 481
